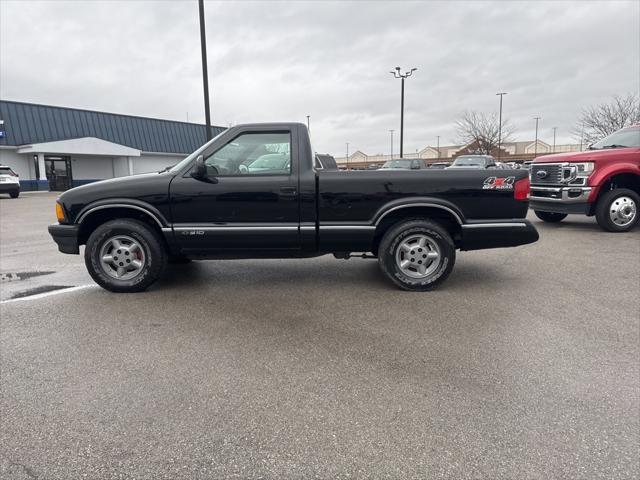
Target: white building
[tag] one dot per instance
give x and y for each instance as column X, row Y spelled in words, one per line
column 56, row 148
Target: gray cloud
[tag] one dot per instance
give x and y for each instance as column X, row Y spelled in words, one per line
column 282, row 61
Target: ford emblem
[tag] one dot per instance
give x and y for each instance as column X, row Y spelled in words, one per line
column 541, row 174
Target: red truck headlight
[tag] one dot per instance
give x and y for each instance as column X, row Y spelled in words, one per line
column 584, row 168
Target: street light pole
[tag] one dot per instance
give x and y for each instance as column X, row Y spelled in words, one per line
column 396, row 73
column 348, row 156
column 554, row 139
column 205, row 74
column 438, row 136
column 500, row 94
column 308, row 127
column 391, row 132
column 535, row 147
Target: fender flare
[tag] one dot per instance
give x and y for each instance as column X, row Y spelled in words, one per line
column 157, row 217
column 418, row 202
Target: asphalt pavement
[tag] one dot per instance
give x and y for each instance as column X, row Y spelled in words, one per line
column 525, row 364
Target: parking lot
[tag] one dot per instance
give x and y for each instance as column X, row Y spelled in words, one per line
column 524, row 364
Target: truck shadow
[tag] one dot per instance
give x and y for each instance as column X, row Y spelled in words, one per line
column 324, row 272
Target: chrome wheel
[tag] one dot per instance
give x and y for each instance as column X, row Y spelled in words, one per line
column 418, row 256
column 122, row 257
column 622, row 211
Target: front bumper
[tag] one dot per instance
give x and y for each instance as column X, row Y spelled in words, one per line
column 560, row 199
column 66, row 236
column 481, row 234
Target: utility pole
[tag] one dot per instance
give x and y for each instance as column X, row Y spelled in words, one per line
column 308, row 127
column 391, row 132
column 348, row 156
column 535, row 147
column 438, row 137
column 396, row 73
column 554, row 139
column 500, row 94
column 205, row 74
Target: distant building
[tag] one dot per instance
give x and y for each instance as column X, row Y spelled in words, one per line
column 56, row 148
column 510, row 152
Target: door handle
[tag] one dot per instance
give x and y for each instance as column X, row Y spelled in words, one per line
column 288, row 191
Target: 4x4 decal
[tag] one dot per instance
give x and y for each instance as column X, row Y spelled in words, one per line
column 498, row 183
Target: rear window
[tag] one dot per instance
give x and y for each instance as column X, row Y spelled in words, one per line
column 6, row 171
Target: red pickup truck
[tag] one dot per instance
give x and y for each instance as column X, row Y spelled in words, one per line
column 603, row 181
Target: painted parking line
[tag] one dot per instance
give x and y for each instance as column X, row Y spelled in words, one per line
column 47, row 294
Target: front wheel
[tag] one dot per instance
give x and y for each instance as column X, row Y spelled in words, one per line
column 617, row 210
column 125, row 256
column 417, row 255
column 550, row 217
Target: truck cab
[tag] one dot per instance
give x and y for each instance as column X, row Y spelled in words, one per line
column 603, row 181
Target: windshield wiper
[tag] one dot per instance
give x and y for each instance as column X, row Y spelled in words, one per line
column 615, row 145
column 166, row 169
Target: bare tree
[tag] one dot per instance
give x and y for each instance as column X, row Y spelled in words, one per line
column 598, row 121
column 482, row 130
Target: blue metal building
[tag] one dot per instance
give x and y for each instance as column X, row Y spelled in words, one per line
column 55, row 148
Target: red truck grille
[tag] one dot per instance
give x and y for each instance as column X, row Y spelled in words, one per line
column 547, row 174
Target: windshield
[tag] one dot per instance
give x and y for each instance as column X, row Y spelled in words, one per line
column 397, row 164
column 180, row 165
column 469, row 162
column 627, row 137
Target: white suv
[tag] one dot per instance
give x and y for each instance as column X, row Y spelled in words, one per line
column 9, row 181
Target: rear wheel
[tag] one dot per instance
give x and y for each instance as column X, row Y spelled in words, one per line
column 125, row 256
column 617, row 210
column 15, row 194
column 550, row 217
column 417, row 254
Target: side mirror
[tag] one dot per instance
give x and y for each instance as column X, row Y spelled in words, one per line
column 199, row 171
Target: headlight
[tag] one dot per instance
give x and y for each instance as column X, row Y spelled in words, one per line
column 583, row 169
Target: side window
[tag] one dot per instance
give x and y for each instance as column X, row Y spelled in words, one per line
column 252, row 154
column 415, row 164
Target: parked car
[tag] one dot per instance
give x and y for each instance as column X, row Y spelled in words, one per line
column 9, row 181
column 603, row 181
column 473, row 161
column 268, row 163
column 404, row 164
column 412, row 222
column 440, row 165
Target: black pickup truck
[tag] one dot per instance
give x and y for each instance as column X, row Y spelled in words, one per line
column 254, row 192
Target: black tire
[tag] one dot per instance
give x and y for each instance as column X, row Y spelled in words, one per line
column 620, row 199
column 155, row 255
column 550, row 217
column 15, row 194
column 405, row 231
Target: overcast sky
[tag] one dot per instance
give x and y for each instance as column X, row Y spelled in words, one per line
column 278, row 61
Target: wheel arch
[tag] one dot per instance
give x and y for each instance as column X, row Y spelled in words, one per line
column 448, row 217
column 93, row 216
column 626, row 179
